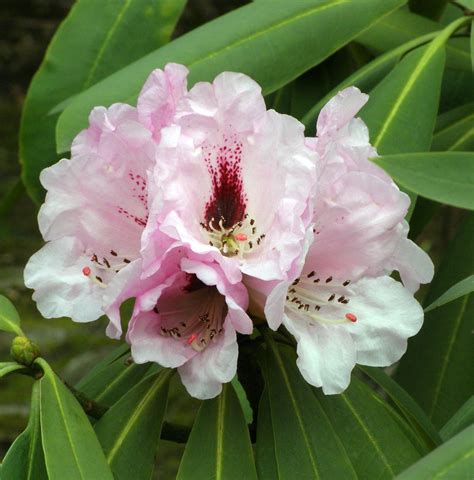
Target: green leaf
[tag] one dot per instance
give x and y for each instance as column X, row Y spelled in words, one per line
column 95, row 40
column 469, row 4
column 402, row 26
column 455, row 130
column 301, row 440
column 405, row 404
column 437, row 369
column 456, row 291
column 219, row 445
column 408, row 96
column 9, row 318
column 25, row 460
column 472, row 42
column 267, row 465
column 273, row 42
column 462, row 419
column 9, row 367
column 373, row 435
column 243, row 400
column 367, row 77
column 113, row 381
column 446, row 177
column 130, row 430
column 452, row 460
column 71, row 449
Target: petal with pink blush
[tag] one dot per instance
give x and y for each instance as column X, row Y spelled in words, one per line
column 340, row 110
column 160, row 95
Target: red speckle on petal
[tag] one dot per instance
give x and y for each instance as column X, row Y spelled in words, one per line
column 86, row 271
column 351, row 317
column 241, row 237
column 191, row 338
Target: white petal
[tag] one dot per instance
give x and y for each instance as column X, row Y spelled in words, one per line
column 61, row 289
column 387, row 315
column 326, row 354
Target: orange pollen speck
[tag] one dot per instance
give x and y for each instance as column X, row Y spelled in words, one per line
column 351, row 317
column 191, row 338
column 86, row 271
column 241, row 237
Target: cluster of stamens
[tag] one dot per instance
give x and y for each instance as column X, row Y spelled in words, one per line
column 106, row 265
column 310, row 295
column 200, row 330
column 238, row 240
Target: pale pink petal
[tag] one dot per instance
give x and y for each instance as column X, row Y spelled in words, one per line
column 413, row 263
column 160, row 95
column 204, row 374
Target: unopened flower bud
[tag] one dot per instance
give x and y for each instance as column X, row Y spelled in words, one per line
column 24, row 351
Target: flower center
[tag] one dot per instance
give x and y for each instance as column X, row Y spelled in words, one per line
column 199, row 318
column 239, row 239
column 320, row 300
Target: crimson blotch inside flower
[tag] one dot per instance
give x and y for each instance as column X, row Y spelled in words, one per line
column 200, row 203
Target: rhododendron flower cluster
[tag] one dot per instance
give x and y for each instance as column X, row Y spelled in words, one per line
column 207, row 209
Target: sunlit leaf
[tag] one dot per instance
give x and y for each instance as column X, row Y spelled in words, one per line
column 95, row 40
column 219, row 445
column 402, row 26
column 273, row 42
column 71, row 449
column 25, row 460
column 446, row 177
column 130, row 430
column 452, row 460
column 367, row 77
column 437, row 369
column 9, row 318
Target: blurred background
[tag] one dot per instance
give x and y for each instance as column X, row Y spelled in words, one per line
column 26, row 27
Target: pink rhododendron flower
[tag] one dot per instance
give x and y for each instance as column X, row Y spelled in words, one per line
column 342, row 307
column 232, row 180
column 97, row 206
column 188, row 320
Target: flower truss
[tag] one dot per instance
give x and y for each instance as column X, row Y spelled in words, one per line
column 203, row 206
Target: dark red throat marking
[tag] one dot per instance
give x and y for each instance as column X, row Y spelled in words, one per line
column 228, row 200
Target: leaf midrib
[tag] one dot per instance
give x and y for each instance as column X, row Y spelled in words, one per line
column 53, row 381
column 368, row 434
column 446, row 358
column 108, row 37
column 136, row 414
column 297, row 410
